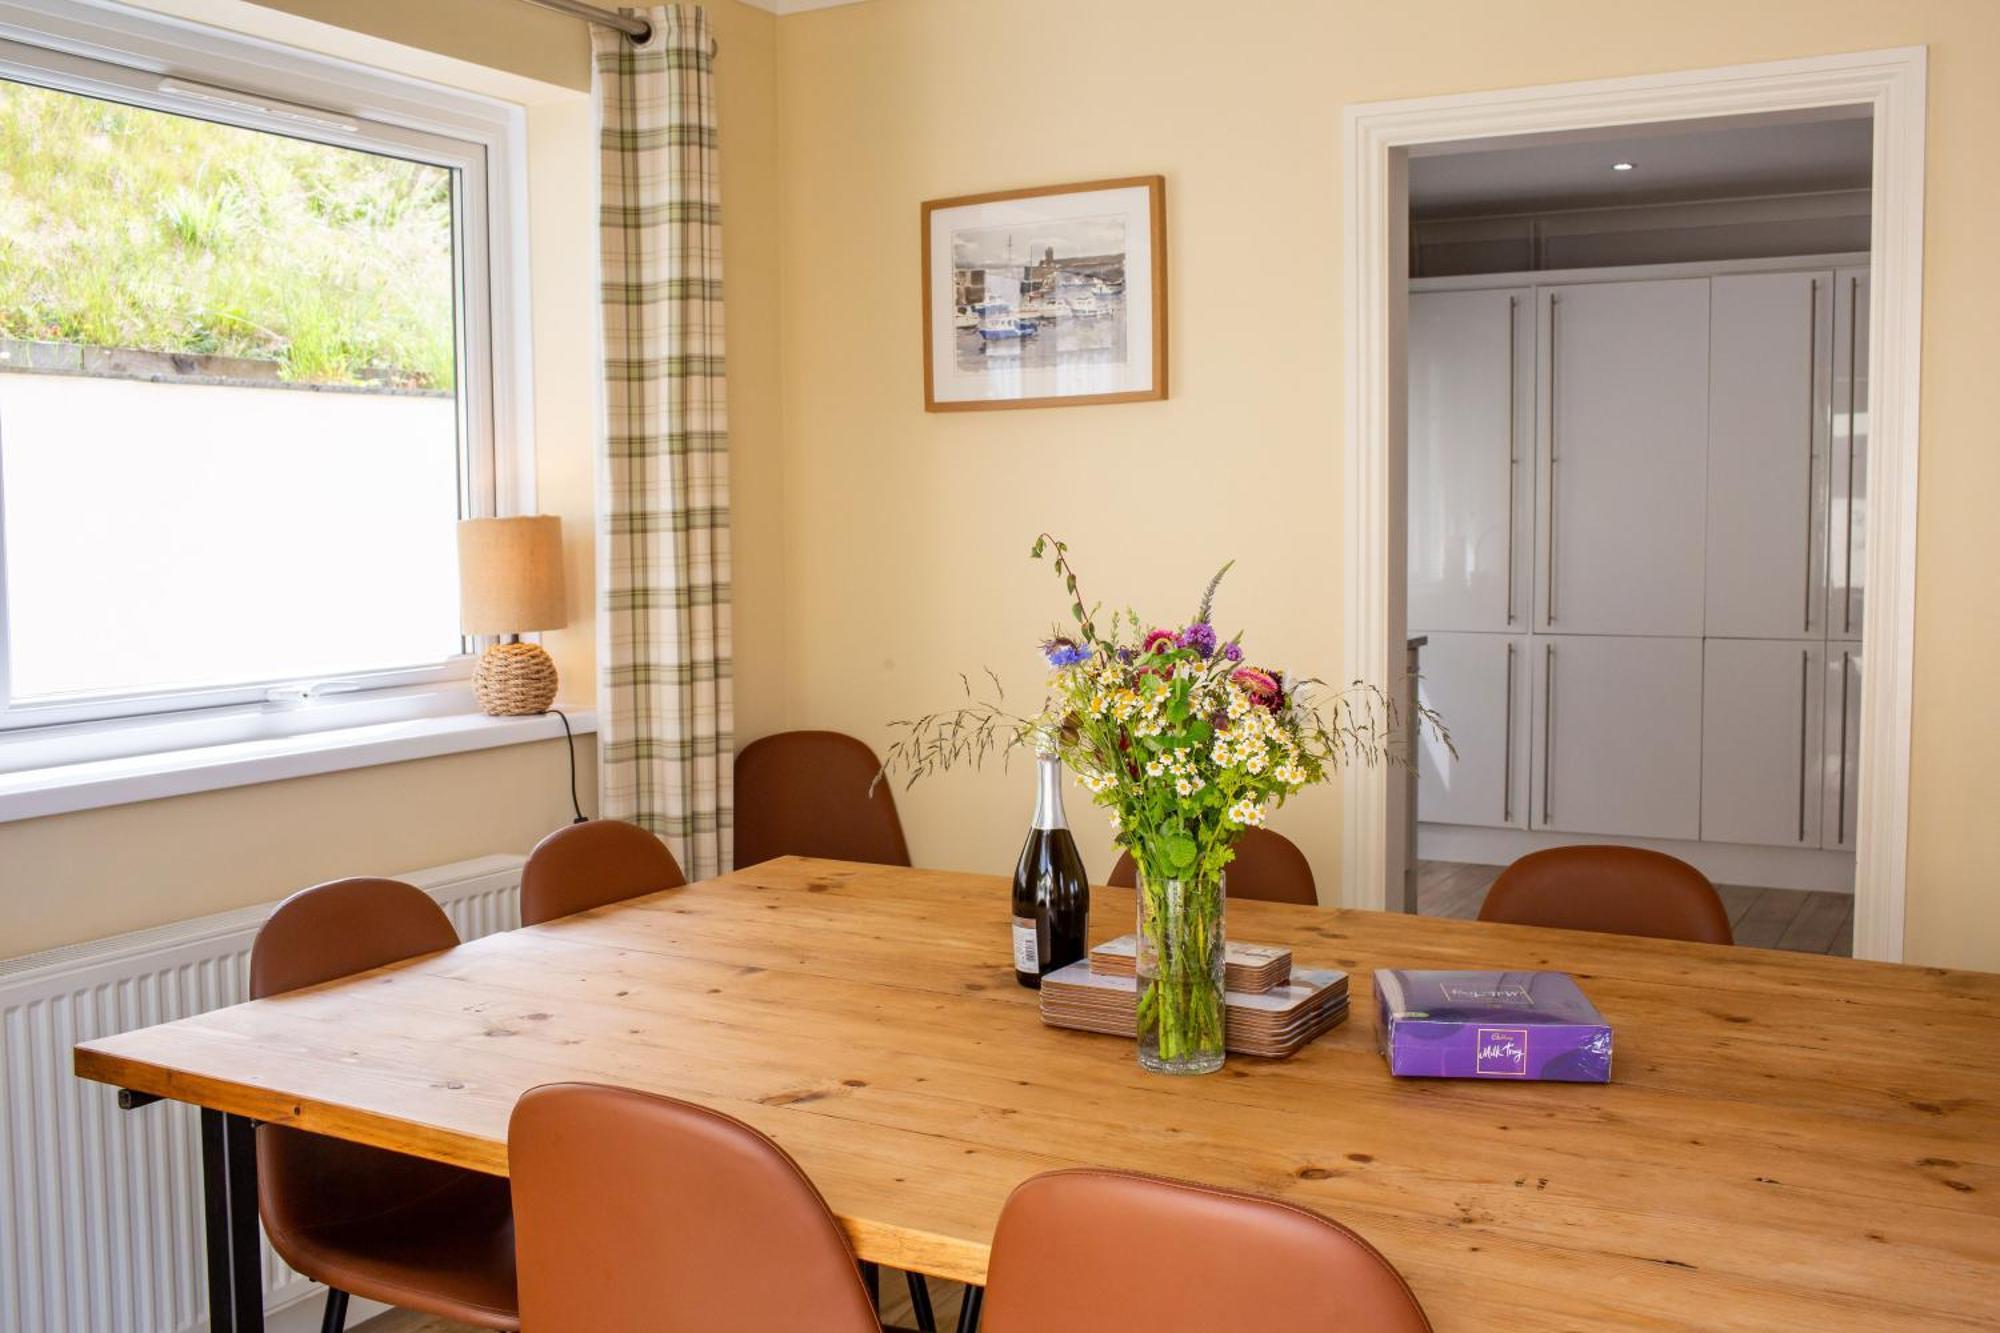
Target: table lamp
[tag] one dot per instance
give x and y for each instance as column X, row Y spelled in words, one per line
column 510, row 581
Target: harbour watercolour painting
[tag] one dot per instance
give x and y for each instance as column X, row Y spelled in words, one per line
column 1046, row 297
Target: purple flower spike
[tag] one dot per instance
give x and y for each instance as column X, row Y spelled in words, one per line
column 1199, row 636
column 1232, row 652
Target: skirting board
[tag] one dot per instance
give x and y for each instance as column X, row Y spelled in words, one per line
column 1722, row 862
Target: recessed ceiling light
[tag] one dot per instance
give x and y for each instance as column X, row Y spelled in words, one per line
column 1621, row 166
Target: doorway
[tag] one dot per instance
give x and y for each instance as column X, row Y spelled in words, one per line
column 1887, row 89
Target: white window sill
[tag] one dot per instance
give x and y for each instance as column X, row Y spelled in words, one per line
column 59, row 788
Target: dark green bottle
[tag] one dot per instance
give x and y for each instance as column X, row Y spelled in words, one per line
column 1051, row 890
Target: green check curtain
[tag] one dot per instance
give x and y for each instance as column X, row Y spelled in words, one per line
column 664, row 716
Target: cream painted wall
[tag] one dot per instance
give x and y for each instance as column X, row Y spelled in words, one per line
column 536, row 44
column 908, row 532
column 98, row 872
column 880, row 550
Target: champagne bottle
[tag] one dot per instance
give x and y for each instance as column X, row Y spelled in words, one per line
column 1051, row 891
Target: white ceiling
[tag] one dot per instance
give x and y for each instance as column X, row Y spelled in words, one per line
column 1689, row 160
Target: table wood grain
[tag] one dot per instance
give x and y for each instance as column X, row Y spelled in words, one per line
column 1790, row 1141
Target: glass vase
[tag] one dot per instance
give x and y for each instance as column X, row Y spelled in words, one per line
column 1182, row 1013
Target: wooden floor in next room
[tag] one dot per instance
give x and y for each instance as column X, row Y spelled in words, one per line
column 1798, row 919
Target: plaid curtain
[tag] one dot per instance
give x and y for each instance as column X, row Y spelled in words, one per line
column 664, row 715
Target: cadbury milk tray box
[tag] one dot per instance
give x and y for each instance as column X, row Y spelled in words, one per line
column 1528, row 1025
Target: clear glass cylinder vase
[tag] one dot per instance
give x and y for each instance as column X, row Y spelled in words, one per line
column 1182, row 1012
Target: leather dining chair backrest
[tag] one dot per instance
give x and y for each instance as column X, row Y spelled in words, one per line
column 1269, row 867
column 1085, row 1250
column 1618, row 890
column 635, row 1211
column 366, row 1220
column 342, row 927
column 588, row 865
column 813, row 793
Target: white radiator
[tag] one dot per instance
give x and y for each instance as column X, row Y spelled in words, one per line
column 101, row 1209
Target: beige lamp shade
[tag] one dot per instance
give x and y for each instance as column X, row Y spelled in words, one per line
column 510, row 575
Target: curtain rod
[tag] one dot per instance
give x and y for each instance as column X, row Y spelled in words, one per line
column 636, row 28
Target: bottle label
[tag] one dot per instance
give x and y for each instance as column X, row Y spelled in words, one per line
column 1027, row 957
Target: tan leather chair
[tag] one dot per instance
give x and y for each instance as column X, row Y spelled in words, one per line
column 813, row 793
column 1269, row 867
column 807, row 793
column 588, row 865
column 642, row 1212
column 1084, row 1251
column 1619, row 890
column 365, row 1221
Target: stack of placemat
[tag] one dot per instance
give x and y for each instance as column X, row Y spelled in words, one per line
column 1250, row 968
column 1274, row 1008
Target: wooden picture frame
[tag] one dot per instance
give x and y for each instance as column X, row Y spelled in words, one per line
column 1083, row 323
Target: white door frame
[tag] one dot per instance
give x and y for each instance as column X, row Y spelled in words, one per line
column 1378, row 139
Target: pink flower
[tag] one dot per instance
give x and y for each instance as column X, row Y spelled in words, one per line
column 1259, row 685
column 1161, row 638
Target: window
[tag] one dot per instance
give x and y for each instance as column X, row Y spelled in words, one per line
column 246, row 351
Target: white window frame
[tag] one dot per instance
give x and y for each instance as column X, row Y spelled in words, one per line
column 99, row 49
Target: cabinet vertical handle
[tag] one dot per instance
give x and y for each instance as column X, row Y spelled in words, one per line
column 1805, row 678
column 1549, row 592
column 1812, row 456
column 1513, row 448
column 1840, row 817
column 1507, row 747
column 1548, row 724
column 1847, row 514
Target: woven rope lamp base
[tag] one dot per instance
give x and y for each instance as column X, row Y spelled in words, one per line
column 514, row 679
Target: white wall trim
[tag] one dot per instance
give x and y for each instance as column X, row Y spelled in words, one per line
column 1378, row 139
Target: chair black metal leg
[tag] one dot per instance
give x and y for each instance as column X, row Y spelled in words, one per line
column 968, row 1312
column 229, row 1187
column 335, row 1318
column 871, row 1277
column 920, row 1303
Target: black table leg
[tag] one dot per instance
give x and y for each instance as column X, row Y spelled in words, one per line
column 229, row 1183
column 920, row 1304
column 968, row 1312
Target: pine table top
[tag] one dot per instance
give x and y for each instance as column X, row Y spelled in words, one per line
column 1789, row 1140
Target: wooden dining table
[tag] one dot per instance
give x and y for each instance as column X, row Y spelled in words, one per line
column 1788, row 1141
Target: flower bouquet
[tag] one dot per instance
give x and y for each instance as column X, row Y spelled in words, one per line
column 1186, row 742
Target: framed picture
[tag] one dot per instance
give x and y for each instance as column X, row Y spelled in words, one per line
column 1050, row 297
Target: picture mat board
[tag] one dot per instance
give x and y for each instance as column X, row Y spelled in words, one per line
column 1137, row 202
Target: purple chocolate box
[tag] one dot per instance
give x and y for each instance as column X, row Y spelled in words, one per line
column 1532, row 1025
